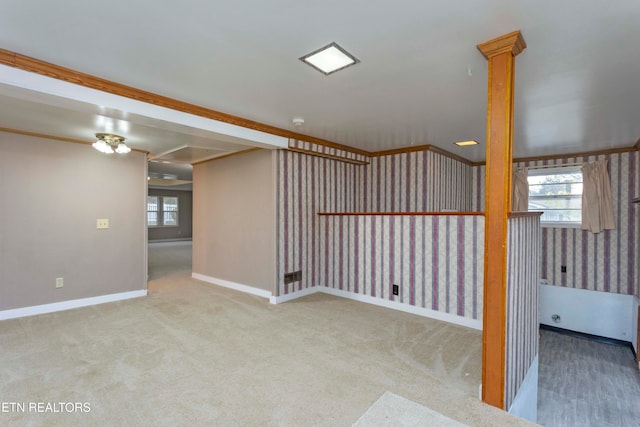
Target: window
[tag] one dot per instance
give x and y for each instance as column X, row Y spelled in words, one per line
column 152, row 211
column 557, row 193
column 162, row 211
column 170, row 210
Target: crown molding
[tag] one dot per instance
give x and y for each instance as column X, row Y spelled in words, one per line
column 420, row 148
column 22, row 62
column 570, row 155
column 512, row 41
column 57, row 138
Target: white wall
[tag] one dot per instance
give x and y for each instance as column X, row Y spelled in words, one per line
column 51, row 195
column 598, row 313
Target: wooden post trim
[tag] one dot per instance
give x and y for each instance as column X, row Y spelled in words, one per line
column 509, row 43
column 501, row 55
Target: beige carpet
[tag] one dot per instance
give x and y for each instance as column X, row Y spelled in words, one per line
column 195, row 354
column 393, row 410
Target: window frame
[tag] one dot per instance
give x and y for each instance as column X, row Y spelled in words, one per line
column 156, row 211
column 160, row 212
column 556, row 170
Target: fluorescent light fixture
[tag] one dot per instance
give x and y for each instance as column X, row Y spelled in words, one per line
column 330, row 59
column 466, row 143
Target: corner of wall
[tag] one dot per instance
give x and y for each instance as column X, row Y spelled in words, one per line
column 525, row 404
column 635, row 325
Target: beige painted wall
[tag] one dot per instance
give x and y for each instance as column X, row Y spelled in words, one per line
column 51, row 194
column 234, row 219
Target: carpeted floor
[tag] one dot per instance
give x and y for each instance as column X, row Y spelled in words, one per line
column 194, row 354
column 394, row 410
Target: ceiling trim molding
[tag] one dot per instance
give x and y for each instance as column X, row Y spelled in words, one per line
column 446, row 153
column 570, row 155
column 326, row 143
column 512, row 42
column 47, row 69
column 427, row 147
column 57, row 138
column 327, row 156
column 581, row 154
column 22, row 62
column 391, row 152
column 637, row 146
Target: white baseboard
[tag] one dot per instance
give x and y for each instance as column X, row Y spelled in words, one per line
column 68, row 305
column 394, row 305
column 420, row 311
column 293, row 295
column 232, row 285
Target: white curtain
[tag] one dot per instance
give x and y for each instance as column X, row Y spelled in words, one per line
column 597, row 205
column 521, row 191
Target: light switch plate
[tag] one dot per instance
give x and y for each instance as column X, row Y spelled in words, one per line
column 102, row 224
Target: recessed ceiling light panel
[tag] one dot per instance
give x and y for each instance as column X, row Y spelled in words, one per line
column 466, row 143
column 330, row 59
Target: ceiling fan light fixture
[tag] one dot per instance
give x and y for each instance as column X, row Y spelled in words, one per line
column 122, row 148
column 109, row 143
column 102, row 147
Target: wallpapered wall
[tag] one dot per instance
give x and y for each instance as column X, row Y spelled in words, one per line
column 307, row 185
column 523, row 276
column 435, row 260
column 418, row 181
column 421, row 181
column 605, row 261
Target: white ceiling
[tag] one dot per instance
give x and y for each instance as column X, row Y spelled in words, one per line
column 421, row 79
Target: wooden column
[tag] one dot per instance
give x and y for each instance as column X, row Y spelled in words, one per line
column 501, row 53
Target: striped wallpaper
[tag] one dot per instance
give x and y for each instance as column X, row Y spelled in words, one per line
column 420, row 181
column 605, row 261
column 307, row 185
column 437, row 261
column 324, row 150
column 523, row 276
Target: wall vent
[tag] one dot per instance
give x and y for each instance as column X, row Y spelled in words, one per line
column 294, row 276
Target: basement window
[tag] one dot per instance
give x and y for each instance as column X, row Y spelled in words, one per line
column 557, row 192
column 162, row 211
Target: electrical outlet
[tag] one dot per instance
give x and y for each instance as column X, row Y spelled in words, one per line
column 102, row 223
column 395, row 289
column 59, row 282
